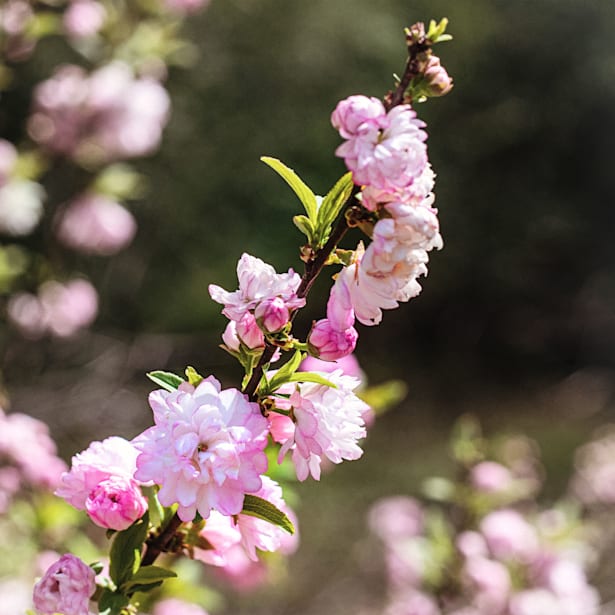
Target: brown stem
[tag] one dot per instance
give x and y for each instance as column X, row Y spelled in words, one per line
column 157, row 544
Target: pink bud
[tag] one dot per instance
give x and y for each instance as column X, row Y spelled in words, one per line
column 328, row 344
column 490, row 477
column 272, row 314
column 65, row 588
column 116, row 503
column 437, row 80
column 249, row 332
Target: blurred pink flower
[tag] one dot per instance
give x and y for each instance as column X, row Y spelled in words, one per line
column 21, row 206
column 101, row 481
column 95, row 224
column 348, row 364
column 509, row 535
column 15, row 17
column 65, row 588
column 108, row 115
column 396, row 518
column 412, row 602
column 185, row 6
column 490, row 477
column 489, row 583
column 83, row 18
column 205, row 449
column 8, row 157
column 68, row 307
column 240, row 572
column 173, row 606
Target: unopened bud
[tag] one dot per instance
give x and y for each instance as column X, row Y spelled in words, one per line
column 272, row 314
column 437, row 81
column 328, row 344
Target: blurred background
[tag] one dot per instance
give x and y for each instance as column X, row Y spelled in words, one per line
column 516, row 321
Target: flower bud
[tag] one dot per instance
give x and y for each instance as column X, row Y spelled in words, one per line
column 328, row 344
column 272, row 314
column 437, row 81
column 249, row 332
column 116, row 503
column 65, row 588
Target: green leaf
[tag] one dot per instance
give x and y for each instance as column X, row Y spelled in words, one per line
column 331, row 206
column 166, row 380
column 306, row 196
column 147, row 576
column 305, row 226
column 125, row 555
column 311, row 377
column 112, row 603
column 284, row 374
column 258, row 507
column 194, row 378
column 156, row 511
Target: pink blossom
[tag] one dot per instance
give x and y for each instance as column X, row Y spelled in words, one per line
column 594, row 479
column 101, row 481
column 509, row 535
column 205, row 449
column 15, row 17
column 240, row 572
column 396, row 518
column 471, row 544
column 490, row 583
column 94, row 224
column 246, row 331
column 348, row 364
column 95, row 118
column 65, row 588
column 329, row 344
column 412, row 602
column 272, row 314
column 389, row 158
column 436, row 79
column 490, row 477
column 116, row 503
column 358, row 114
column 222, row 534
column 83, row 18
column 173, row 606
column 258, row 282
column 185, row 6
column 68, row 307
column 328, row 423
column 21, row 434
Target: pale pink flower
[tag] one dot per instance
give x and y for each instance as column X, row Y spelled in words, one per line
column 412, row 602
column 594, row 479
column 21, row 434
column 258, row 282
column 69, row 307
column 174, row 606
column 357, row 114
column 65, row 588
column 222, row 534
column 489, row 582
column 96, row 118
column 390, row 158
column 490, row 477
column 240, row 572
column 328, row 423
column 272, row 314
column 94, row 224
column 243, row 331
column 83, row 18
column 101, row 481
column 15, row 17
column 329, row 344
column 509, row 535
column 348, row 364
column 395, row 518
column 436, row 79
column 205, row 449
column 471, row 544
column 185, row 6
column 538, row 601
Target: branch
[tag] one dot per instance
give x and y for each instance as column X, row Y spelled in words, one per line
column 160, row 543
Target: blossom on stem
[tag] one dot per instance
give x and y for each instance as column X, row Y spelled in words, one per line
column 329, row 344
column 243, row 331
column 101, row 481
column 357, row 115
column 258, row 282
column 328, row 423
column 205, row 449
column 272, row 314
column 65, row 588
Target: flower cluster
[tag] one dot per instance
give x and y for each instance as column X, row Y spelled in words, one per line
column 20, row 436
column 489, row 557
column 262, row 304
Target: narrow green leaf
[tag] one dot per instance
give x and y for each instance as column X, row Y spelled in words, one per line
column 306, row 196
column 310, row 377
column 258, row 507
column 285, row 373
column 332, row 205
column 146, row 576
column 125, row 554
column 305, row 226
column 166, row 380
